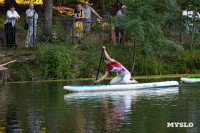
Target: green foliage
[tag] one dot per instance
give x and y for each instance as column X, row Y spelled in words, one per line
column 144, row 22
column 52, row 62
column 100, row 26
column 49, row 62
column 169, row 46
column 58, row 34
column 163, row 63
column 189, row 62
column 58, row 62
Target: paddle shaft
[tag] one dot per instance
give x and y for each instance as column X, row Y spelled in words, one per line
column 99, row 65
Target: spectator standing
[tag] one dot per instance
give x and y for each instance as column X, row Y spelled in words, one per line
column 88, row 10
column 119, row 30
column 189, row 16
column 12, row 17
column 79, row 15
column 30, row 14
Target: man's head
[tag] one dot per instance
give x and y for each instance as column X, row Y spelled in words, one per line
column 12, row 8
column 31, row 6
column 86, row 4
column 106, row 60
column 124, row 8
column 78, row 7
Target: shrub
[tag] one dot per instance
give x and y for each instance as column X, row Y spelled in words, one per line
column 51, row 61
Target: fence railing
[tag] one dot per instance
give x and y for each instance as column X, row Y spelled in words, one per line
column 62, row 30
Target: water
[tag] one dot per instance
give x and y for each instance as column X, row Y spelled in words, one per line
column 46, row 107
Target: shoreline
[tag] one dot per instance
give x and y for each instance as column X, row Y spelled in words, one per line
column 135, row 77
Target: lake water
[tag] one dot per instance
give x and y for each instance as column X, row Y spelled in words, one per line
column 46, row 107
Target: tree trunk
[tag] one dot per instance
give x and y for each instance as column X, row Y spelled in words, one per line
column 48, row 12
column 134, row 58
column 8, row 3
column 102, row 6
column 117, row 5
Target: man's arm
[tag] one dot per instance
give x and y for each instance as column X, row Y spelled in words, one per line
column 107, row 56
column 96, row 14
column 102, row 78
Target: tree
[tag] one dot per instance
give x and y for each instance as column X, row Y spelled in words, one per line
column 146, row 24
column 48, row 13
column 10, row 2
column 102, row 6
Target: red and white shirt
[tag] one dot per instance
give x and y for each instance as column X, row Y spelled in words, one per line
column 118, row 68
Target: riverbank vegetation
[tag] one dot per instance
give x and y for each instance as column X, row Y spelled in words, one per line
column 153, row 29
column 61, row 62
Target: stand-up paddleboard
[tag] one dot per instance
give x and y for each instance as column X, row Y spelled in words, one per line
column 121, row 86
column 190, row 80
column 169, row 92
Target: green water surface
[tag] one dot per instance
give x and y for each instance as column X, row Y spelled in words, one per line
column 45, row 107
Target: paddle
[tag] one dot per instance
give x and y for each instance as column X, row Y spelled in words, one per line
column 99, row 65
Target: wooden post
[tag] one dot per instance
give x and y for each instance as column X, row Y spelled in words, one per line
column 3, row 74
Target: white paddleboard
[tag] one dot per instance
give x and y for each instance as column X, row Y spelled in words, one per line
column 190, row 80
column 169, row 92
column 120, row 87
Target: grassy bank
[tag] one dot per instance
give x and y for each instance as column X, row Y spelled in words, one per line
column 53, row 62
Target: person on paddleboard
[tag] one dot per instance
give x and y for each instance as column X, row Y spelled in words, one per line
column 123, row 75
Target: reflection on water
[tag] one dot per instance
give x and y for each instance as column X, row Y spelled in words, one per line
column 46, row 107
column 117, row 94
column 117, row 105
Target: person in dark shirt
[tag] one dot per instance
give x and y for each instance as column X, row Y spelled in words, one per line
column 12, row 17
column 79, row 15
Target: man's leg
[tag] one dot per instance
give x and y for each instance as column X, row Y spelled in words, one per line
column 187, row 30
column 29, row 36
column 115, row 80
column 14, row 42
column 121, row 35
column 117, row 34
column 87, row 28
column 127, row 80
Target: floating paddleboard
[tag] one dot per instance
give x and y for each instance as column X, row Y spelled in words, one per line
column 190, row 80
column 121, row 86
column 115, row 95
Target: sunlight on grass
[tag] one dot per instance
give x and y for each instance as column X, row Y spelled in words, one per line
column 28, row 1
column 81, row 1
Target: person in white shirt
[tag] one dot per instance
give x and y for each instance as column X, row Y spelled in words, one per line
column 190, row 16
column 88, row 10
column 118, row 30
column 12, row 17
column 30, row 13
column 122, row 12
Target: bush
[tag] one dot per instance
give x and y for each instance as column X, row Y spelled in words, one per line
column 51, row 61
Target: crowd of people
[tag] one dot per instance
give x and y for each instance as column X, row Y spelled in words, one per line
column 190, row 16
column 83, row 20
column 12, row 17
column 83, row 16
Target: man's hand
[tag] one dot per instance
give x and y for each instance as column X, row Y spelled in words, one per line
column 17, row 18
column 96, row 81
